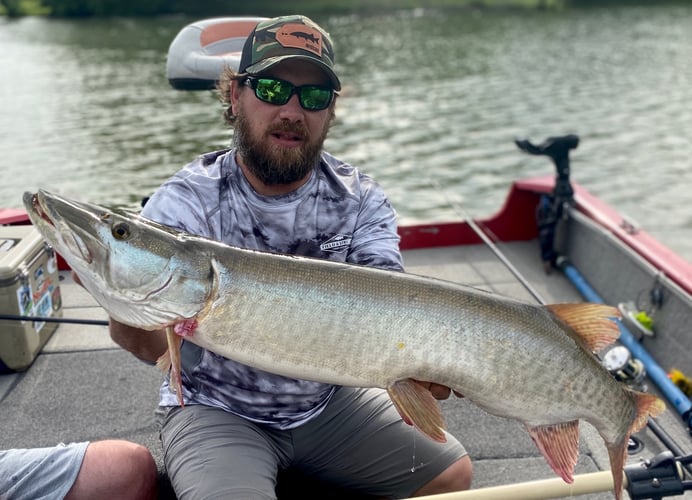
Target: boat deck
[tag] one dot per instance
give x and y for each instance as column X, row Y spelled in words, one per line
column 83, row 387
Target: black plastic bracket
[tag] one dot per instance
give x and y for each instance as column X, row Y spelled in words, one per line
column 659, row 477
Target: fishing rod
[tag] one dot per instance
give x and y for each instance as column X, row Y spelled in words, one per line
column 663, row 475
column 656, row 480
column 53, row 319
column 491, row 245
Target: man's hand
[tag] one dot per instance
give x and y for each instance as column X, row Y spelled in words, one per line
column 438, row 391
column 145, row 345
column 411, row 400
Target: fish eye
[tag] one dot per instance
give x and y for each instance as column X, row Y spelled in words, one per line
column 121, row 231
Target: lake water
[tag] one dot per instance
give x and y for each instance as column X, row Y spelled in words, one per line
column 431, row 106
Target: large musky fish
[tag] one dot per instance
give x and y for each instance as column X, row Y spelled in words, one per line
column 353, row 325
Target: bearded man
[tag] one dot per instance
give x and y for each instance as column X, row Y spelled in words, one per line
column 276, row 190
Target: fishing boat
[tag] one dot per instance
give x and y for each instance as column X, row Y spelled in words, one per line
column 552, row 241
column 201, row 50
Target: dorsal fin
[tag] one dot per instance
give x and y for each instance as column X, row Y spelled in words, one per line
column 593, row 323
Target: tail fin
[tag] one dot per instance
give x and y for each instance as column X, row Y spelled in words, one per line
column 647, row 406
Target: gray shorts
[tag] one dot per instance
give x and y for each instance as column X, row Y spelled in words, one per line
column 40, row 473
column 359, row 443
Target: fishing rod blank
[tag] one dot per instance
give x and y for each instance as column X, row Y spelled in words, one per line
column 657, row 478
column 51, row 319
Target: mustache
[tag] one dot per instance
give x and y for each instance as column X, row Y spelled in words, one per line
column 297, row 129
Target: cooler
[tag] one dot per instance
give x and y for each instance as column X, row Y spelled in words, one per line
column 28, row 287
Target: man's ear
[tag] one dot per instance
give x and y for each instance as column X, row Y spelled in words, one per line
column 235, row 94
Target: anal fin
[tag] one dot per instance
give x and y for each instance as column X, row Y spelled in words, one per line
column 559, row 444
column 417, row 406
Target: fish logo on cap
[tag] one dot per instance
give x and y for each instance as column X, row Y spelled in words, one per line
column 300, row 36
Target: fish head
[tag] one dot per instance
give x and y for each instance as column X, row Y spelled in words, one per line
column 142, row 273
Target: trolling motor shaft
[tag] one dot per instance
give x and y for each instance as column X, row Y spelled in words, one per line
column 551, row 208
column 557, row 148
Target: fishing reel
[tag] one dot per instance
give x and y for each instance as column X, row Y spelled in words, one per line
column 618, row 360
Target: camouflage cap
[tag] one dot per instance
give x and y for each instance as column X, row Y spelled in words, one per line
column 288, row 37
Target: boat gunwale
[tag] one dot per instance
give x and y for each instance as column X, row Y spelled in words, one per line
column 521, row 203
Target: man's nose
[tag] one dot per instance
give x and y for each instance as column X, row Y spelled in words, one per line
column 292, row 110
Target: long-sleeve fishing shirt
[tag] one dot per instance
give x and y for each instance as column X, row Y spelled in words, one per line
column 340, row 214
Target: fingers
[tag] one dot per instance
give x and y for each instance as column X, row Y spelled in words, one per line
column 439, row 391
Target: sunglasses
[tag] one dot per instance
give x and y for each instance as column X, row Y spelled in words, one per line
column 275, row 91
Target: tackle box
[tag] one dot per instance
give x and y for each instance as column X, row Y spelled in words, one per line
column 29, row 286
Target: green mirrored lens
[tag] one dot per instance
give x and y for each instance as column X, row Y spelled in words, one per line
column 274, row 91
column 315, row 97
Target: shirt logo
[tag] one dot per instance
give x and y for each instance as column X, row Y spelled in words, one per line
column 337, row 243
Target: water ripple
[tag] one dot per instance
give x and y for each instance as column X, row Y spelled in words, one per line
column 431, row 106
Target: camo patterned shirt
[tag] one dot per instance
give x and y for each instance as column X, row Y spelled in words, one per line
column 340, row 214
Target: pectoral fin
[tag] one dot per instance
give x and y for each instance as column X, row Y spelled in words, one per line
column 559, row 444
column 171, row 360
column 417, row 406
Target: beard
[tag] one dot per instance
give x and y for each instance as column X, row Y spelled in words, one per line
column 274, row 164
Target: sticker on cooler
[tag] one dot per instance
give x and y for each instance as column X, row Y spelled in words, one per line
column 52, row 263
column 43, row 309
column 25, row 300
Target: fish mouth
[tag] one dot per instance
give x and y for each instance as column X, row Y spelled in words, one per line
column 42, row 214
column 39, row 210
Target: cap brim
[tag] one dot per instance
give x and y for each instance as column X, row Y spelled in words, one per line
column 267, row 63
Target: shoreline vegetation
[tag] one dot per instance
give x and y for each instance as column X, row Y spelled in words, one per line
column 201, row 8
column 77, row 8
